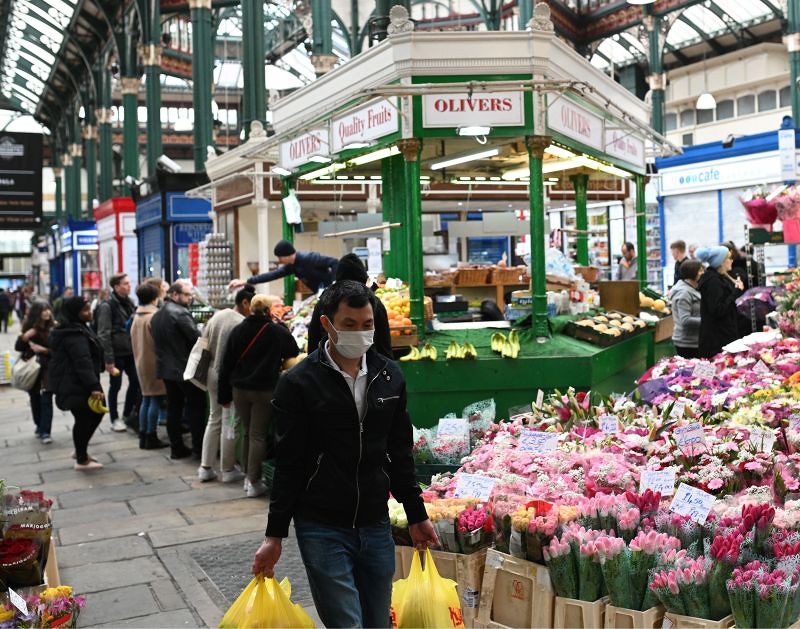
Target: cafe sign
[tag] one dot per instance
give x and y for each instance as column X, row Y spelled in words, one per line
column 485, row 109
column 375, row 120
column 300, row 150
column 576, row 122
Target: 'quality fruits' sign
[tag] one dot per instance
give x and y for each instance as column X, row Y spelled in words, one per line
column 376, row 120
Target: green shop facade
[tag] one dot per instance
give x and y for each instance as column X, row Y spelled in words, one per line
column 490, row 109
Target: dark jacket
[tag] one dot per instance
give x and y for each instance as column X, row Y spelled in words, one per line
column 718, row 316
column 332, row 468
column 112, row 326
column 76, row 361
column 24, row 348
column 316, row 271
column 383, row 337
column 261, row 366
column 5, row 304
column 677, row 277
column 175, row 333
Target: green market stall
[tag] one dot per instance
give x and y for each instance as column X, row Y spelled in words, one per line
column 480, row 109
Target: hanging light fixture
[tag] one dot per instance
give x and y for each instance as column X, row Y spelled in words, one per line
column 641, row 2
column 706, row 100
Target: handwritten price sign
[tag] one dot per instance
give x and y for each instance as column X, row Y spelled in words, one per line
column 474, row 486
column 760, row 367
column 718, row 399
column 690, row 435
column 764, row 440
column 658, row 481
column 609, row 424
column 452, row 427
column 678, row 410
column 704, row 370
column 537, row 442
column 692, row 502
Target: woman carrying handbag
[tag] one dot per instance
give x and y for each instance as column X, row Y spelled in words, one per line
column 34, row 345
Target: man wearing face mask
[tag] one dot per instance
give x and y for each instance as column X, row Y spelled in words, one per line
column 344, row 441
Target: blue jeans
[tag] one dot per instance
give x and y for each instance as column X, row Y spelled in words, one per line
column 350, row 572
column 148, row 414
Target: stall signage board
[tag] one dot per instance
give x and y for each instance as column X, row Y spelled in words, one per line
column 576, row 122
column 183, row 208
column 185, row 234
column 627, row 147
column 788, row 153
column 20, row 180
column 300, row 150
column 735, row 172
column 66, row 240
column 85, row 240
column 371, row 122
column 148, row 211
column 484, row 109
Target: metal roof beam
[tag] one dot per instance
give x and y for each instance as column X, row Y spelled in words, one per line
column 715, row 46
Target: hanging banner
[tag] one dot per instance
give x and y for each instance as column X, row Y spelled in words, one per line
column 576, row 122
column 20, row 180
column 371, row 122
column 485, row 109
column 627, row 147
column 300, row 150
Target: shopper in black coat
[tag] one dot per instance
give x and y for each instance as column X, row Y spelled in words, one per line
column 5, row 310
column 76, row 361
column 175, row 333
column 718, row 315
column 352, row 268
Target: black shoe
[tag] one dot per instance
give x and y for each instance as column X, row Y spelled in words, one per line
column 132, row 422
column 142, row 444
column 152, row 442
column 181, row 452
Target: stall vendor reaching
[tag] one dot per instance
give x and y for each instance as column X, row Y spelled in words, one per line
column 316, row 270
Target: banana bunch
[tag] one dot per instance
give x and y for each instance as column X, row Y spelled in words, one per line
column 428, row 352
column 455, row 351
column 506, row 346
column 97, row 406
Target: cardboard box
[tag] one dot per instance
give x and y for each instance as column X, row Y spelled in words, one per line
column 574, row 614
column 689, row 622
column 619, row 618
column 516, row 593
column 664, row 329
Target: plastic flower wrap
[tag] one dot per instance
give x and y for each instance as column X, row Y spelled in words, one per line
column 761, row 597
column 474, row 527
column 59, row 608
column 574, row 564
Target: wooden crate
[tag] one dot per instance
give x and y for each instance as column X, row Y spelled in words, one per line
column 619, row 618
column 516, row 593
column 664, row 329
column 574, row 614
column 689, row 622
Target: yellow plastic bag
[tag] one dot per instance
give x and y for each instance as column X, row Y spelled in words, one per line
column 425, row 600
column 265, row 603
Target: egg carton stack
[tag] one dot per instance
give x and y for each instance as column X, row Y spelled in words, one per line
column 216, row 270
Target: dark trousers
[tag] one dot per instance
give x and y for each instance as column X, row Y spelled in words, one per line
column 687, row 352
column 184, row 395
column 125, row 365
column 86, row 422
column 4, row 321
column 42, row 410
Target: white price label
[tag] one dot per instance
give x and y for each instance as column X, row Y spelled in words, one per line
column 678, row 410
column 452, row 427
column 537, row 442
column 689, row 435
column 539, row 398
column 658, row 481
column 494, row 559
column 609, row 424
column 794, row 422
column 474, row 486
column 718, row 399
column 692, row 502
column 760, row 367
column 704, row 370
column 17, row 601
column 764, row 440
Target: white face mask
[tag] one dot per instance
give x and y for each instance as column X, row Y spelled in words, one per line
column 353, row 344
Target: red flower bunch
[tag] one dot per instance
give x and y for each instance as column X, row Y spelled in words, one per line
column 15, row 551
column 726, row 549
column 647, row 502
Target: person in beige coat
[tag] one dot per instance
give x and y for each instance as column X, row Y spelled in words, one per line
column 144, row 356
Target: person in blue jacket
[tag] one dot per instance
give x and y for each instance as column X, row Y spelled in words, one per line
column 316, row 270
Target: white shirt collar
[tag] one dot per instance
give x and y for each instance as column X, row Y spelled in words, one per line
column 361, row 372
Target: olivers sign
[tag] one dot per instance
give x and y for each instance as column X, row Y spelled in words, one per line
column 20, row 180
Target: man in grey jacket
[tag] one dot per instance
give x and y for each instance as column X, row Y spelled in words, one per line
column 219, row 428
column 685, row 300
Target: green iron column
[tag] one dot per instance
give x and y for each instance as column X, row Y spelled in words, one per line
column 792, row 41
column 525, row 13
column 536, row 145
column 287, row 185
column 103, row 81
column 90, row 142
column 254, row 102
column 151, row 57
column 76, row 151
column 580, row 184
column 657, row 77
column 393, row 191
column 412, row 227
column 322, row 57
column 641, row 230
column 202, row 66
column 130, row 126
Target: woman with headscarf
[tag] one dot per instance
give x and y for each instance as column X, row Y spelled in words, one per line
column 718, row 290
column 76, row 361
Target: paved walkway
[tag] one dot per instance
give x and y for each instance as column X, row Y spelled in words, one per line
column 139, row 537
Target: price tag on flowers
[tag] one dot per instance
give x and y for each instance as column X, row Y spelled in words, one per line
column 678, row 410
column 452, row 427
column 658, row 481
column 764, row 440
column 689, row 436
column 760, row 367
column 537, row 442
column 474, row 486
column 718, row 399
column 704, row 370
column 17, row 601
column 794, row 422
column 692, row 502
column 609, row 424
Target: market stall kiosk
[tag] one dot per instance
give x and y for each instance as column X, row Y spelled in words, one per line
column 700, row 191
column 55, row 261
column 479, row 108
column 79, row 257
column 167, row 222
column 116, row 239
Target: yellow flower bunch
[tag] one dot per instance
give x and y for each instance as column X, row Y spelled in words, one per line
column 521, row 518
column 6, row 615
column 448, row 508
column 52, row 594
column 567, row 513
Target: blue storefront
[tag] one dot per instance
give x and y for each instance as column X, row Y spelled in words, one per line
column 167, row 222
column 75, row 262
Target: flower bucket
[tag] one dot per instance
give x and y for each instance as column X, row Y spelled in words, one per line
column 791, row 230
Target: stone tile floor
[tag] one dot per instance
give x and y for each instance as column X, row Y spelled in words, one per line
column 143, row 539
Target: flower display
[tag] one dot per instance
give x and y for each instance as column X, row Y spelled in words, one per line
column 760, row 212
